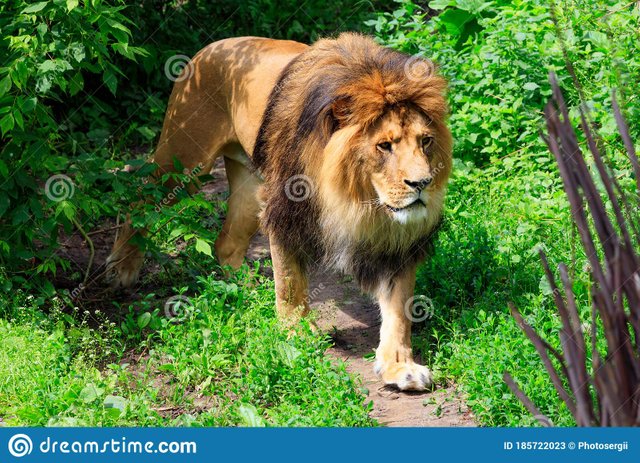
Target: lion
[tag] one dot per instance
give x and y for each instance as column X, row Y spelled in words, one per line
column 340, row 151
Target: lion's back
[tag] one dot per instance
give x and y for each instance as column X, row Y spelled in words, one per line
column 239, row 74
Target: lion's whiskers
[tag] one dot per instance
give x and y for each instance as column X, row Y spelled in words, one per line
column 372, row 205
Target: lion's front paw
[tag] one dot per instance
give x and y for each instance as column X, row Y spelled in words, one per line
column 407, row 376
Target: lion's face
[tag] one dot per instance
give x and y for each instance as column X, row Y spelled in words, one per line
column 403, row 156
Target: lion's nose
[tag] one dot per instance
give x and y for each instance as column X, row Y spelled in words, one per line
column 419, row 184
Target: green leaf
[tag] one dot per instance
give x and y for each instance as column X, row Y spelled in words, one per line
column 117, row 25
column 77, row 52
column 35, row 7
column 4, row 204
column 250, row 416
column 20, row 74
column 6, row 123
column 203, row 247
column 143, row 320
column 146, row 169
column 5, row 85
column 472, row 6
column 177, row 165
column 454, row 21
column 530, row 86
column 29, row 104
column 71, row 4
column 48, row 65
column 545, row 286
column 76, row 83
column 110, row 81
column 288, row 353
column 55, row 65
column 17, row 115
column 115, row 402
column 67, row 208
column 42, row 29
column 440, row 4
column 146, row 132
column 20, row 215
column 90, row 393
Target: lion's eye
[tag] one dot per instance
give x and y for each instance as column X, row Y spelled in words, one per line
column 384, row 146
column 426, row 142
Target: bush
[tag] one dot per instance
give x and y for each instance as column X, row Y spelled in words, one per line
column 52, row 49
column 505, row 200
column 497, row 56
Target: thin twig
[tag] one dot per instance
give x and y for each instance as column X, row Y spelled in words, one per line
column 92, row 250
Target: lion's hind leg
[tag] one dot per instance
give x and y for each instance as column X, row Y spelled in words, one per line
column 241, row 223
column 127, row 255
column 126, row 258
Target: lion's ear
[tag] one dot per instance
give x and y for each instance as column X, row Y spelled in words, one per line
column 341, row 111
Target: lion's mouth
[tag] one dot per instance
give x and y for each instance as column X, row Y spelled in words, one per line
column 417, row 203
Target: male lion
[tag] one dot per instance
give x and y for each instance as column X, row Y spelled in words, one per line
column 338, row 149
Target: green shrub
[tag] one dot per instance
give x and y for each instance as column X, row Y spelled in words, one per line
column 497, row 56
column 65, row 136
column 50, row 50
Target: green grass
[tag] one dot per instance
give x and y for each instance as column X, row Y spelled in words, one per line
column 506, row 200
column 487, row 255
column 227, row 362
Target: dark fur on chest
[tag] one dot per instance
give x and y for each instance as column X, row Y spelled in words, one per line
column 370, row 270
